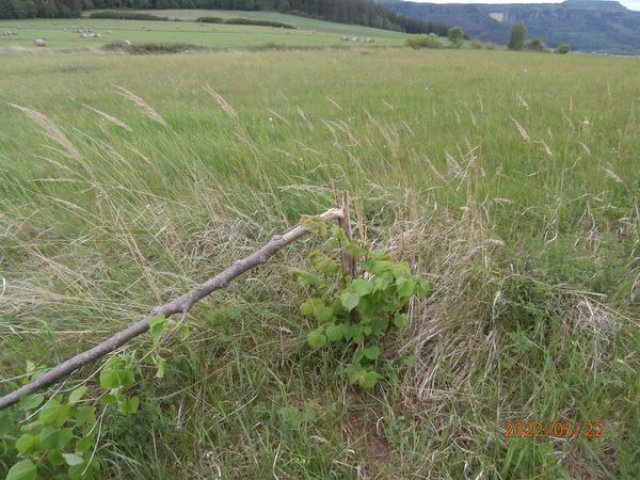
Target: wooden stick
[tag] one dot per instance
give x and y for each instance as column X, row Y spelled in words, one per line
column 348, row 262
column 181, row 304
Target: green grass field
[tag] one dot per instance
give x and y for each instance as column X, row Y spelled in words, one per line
column 60, row 35
column 511, row 181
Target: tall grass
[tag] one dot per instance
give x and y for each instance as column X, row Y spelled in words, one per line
column 510, row 181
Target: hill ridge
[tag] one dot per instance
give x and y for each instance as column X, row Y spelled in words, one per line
column 602, row 26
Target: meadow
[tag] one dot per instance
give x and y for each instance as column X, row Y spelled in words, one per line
column 509, row 180
column 61, row 34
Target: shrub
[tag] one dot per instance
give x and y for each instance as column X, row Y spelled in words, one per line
column 210, row 20
column 563, row 49
column 518, row 34
column 117, row 45
column 259, row 23
column 424, row 41
column 357, row 314
column 456, row 36
column 536, row 45
column 127, row 16
column 478, row 44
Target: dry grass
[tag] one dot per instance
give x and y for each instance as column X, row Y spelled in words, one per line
column 110, row 118
column 222, row 103
column 50, row 128
column 143, row 106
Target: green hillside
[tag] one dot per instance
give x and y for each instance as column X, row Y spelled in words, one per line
column 309, row 33
column 358, row 12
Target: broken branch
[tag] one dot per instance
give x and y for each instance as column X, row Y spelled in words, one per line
column 181, row 304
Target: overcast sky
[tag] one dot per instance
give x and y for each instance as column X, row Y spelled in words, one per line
column 630, row 4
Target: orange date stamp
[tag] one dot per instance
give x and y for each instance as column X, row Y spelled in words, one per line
column 557, row 429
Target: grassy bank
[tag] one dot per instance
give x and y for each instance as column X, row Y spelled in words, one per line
column 509, row 180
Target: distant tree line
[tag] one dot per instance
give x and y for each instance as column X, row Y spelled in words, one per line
column 40, row 8
column 360, row 12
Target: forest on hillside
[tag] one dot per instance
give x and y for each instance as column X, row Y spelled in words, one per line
column 359, row 12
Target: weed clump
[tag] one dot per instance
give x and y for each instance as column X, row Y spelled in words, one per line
column 151, row 47
column 536, row 45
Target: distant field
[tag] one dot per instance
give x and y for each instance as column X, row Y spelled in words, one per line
column 59, row 33
column 511, row 181
column 302, row 23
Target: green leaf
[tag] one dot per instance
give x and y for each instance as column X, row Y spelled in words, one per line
column 23, row 470
column 355, row 250
column 317, row 308
column 72, row 459
column 349, row 300
column 52, row 438
column 335, row 332
column 338, row 234
column 356, row 375
column 77, row 394
column 156, row 327
column 401, row 269
column 108, row 378
column 130, row 405
column 55, row 458
column 406, row 287
column 382, row 282
column 85, row 444
column 422, row 287
column 354, row 333
column 29, row 402
column 362, row 287
column 64, row 437
column 160, row 363
column 31, row 427
column 316, row 339
column 85, row 416
column 309, row 306
column 27, row 444
column 401, row 321
column 126, row 377
column 323, row 313
column 54, row 412
column 324, row 264
column 378, row 325
column 305, row 279
column 372, row 352
column 369, row 380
